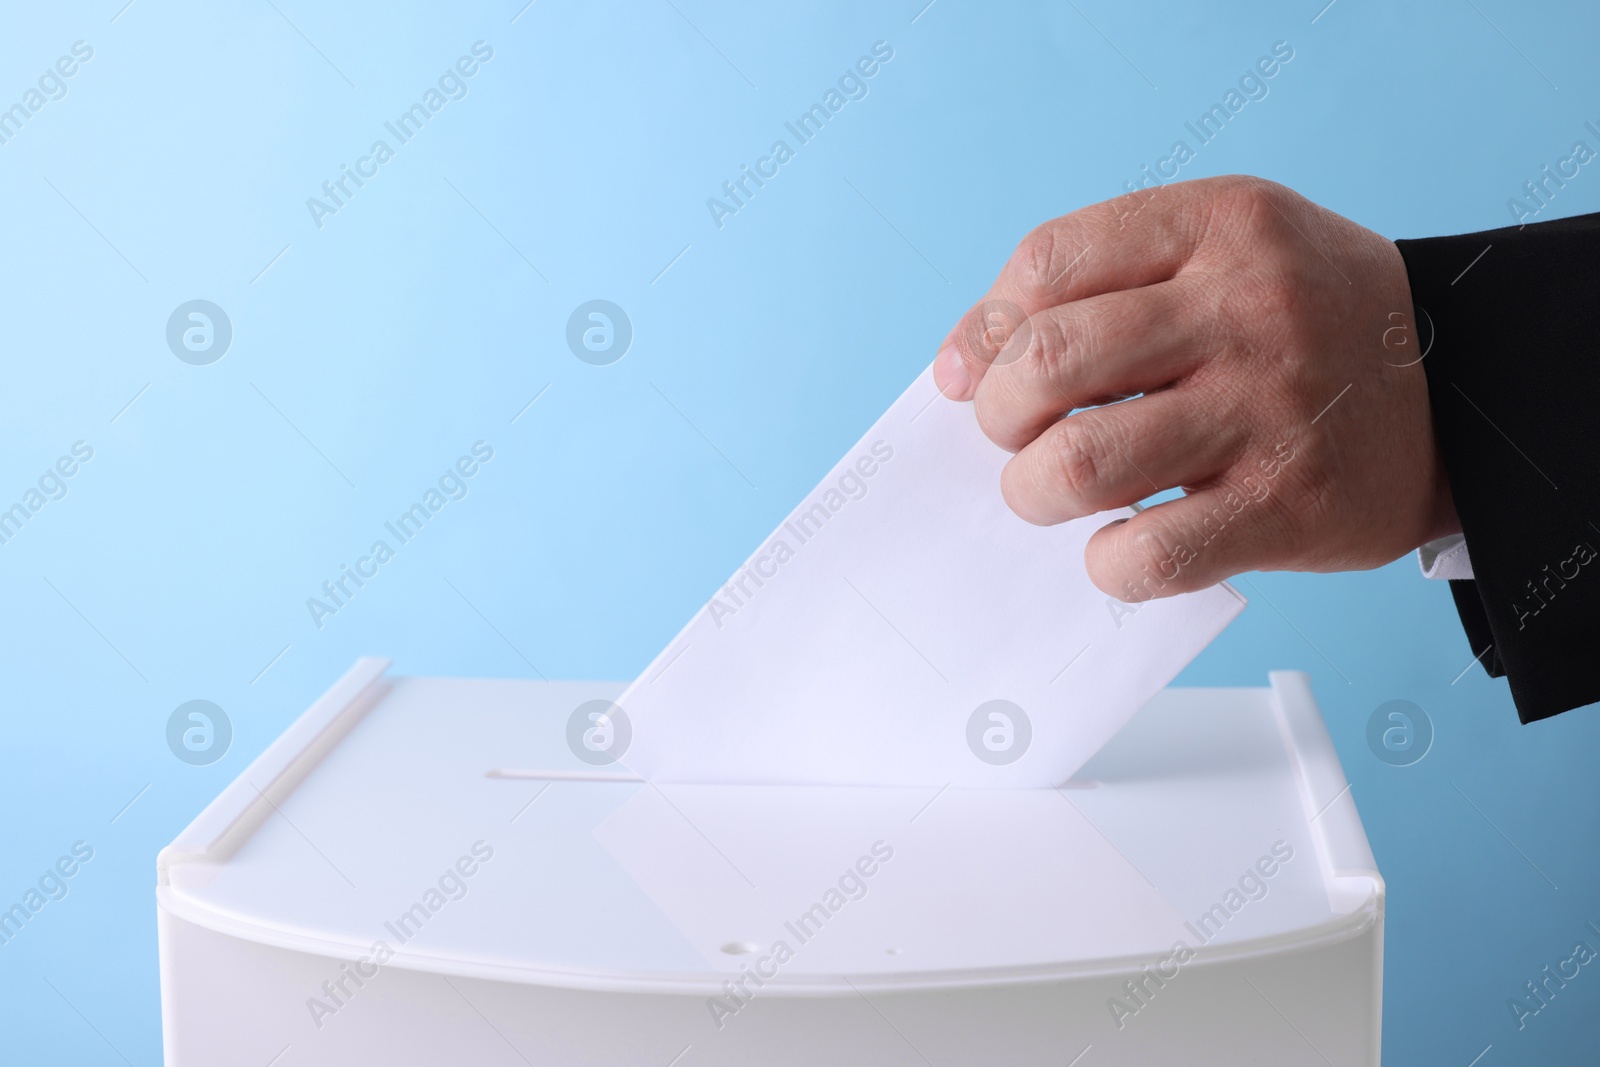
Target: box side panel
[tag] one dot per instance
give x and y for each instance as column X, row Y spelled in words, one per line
column 227, row 1001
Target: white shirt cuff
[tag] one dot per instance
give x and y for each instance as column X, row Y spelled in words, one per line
column 1445, row 558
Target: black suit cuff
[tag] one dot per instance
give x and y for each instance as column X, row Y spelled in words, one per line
column 1514, row 384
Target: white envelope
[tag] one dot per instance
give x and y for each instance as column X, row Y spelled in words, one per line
column 903, row 627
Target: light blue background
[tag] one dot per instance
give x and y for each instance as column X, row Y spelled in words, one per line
column 408, row 328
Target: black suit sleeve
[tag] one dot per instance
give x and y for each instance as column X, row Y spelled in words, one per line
column 1514, row 383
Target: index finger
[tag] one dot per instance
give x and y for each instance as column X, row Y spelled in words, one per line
column 1131, row 241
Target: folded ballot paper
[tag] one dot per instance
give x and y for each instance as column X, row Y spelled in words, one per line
column 903, row 627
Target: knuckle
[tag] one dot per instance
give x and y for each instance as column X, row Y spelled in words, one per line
column 1045, row 257
column 1248, row 194
column 1268, row 310
column 1077, row 461
column 1251, row 210
column 993, row 326
column 1036, row 253
column 1056, row 354
column 1062, row 476
column 972, row 342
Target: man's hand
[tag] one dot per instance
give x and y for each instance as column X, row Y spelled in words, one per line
column 1276, row 376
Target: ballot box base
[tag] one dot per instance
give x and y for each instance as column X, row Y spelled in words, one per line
column 276, row 908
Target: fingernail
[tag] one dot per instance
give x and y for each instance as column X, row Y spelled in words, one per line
column 950, row 374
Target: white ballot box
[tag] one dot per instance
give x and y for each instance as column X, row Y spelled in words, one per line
column 427, row 871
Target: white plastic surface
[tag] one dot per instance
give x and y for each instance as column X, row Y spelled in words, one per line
column 612, row 924
column 230, row 819
column 985, row 885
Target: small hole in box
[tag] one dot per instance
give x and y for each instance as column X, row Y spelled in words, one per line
column 741, row 948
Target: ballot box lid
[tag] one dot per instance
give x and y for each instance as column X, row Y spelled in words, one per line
column 452, row 825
